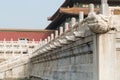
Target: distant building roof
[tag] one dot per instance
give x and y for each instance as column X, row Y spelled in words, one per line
column 75, row 10
column 57, row 18
column 29, row 34
column 70, row 3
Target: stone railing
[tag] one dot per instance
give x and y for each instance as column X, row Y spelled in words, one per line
column 53, row 55
column 14, row 62
column 69, row 33
column 97, row 23
column 12, row 49
column 58, row 52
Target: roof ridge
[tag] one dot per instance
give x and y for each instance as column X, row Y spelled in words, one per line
column 23, row 30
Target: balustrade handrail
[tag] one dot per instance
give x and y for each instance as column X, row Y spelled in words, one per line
column 19, row 42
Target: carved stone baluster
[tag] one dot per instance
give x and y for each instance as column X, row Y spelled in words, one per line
column 91, row 8
column 61, row 30
column 69, row 35
column 56, row 42
column 80, row 32
column 62, row 40
column 73, row 21
column 104, row 7
column 52, row 36
column 56, row 33
column 66, row 27
column 49, row 39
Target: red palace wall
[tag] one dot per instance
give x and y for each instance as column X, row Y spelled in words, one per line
column 8, row 35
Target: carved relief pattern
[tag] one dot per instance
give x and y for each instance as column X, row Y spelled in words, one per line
column 98, row 23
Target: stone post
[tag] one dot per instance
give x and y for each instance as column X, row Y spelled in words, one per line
column 104, row 56
column 61, row 30
column 81, row 16
column 4, row 48
column 52, row 36
column 104, row 7
column 67, row 26
column 49, row 39
column 56, row 33
column 91, row 8
column 46, row 41
column 73, row 21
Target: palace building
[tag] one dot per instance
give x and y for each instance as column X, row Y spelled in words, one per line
column 16, row 42
column 71, row 8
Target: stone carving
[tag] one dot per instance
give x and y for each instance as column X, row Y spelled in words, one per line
column 79, row 34
column 63, row 41
column 70, row 38
column 57, row 43
column 98, row 23
column 115, row 23
column 48, row 48
column 53, row 46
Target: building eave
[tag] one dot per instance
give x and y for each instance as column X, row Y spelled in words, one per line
column 75, row 10
column 22, row 30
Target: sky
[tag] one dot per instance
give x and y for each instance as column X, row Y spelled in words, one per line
column 28, row 14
